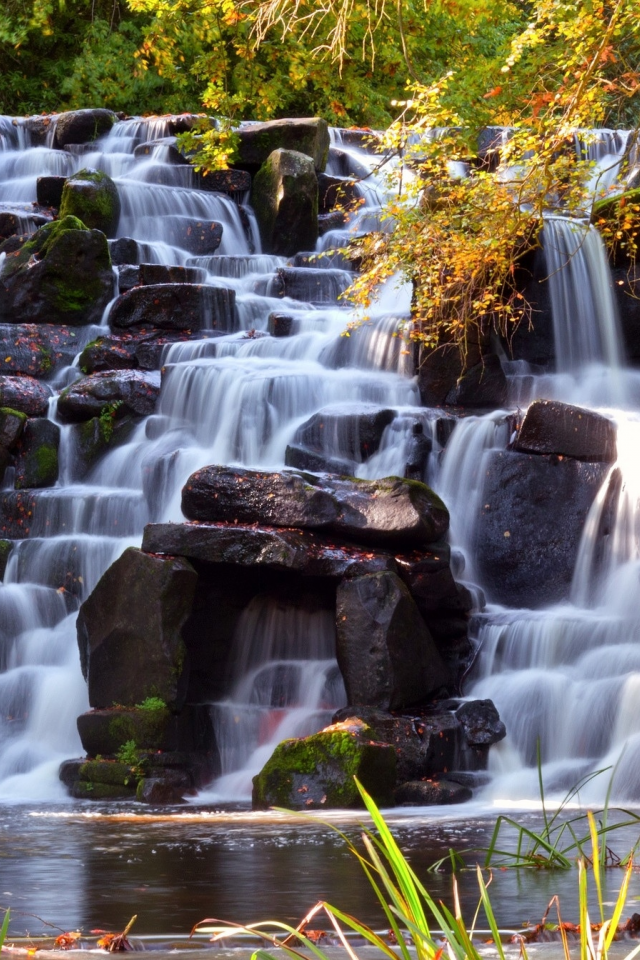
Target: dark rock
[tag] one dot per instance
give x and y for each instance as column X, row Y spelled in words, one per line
column 37, row 455
column 626, row 291
column 425, row 745
column 38, row 129
column 301, row 459
column 62, row 274
column 165, row 150
column 427, row 574
column 389, row 511
column 12, row 224
column 124, row 250
column 318, row 772
column 95, row 437
column 481, row 722
column 175, row 306
column 285, row 200
column 92, row 197
column 130, row 631
column 270, row 549
column 337, row 191
column 533, row 339
column 353, row 433
column 105, row 731
column 128, row 277
column 16, row 512
column 444, row 428
column 431, row 793
column 6, row 546
column 280, row 325
column 109, row 353
column 385, row 652
column 533, row 513
column 160, row 791
column 13, row 244
column 82, row 126
column 152, row 273
column 199, row 237
column 120, row 392
column 553, row 427
column 438, row 373
column 232, row 182
column 49, row 191
column 313, row 284
column 331, row 221
column 36, row 349
column 484, row 385
column 88, row 790
column 11, row 426
column 25, row 395
column 309, row 136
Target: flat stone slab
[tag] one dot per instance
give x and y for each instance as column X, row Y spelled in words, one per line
column 247, row 546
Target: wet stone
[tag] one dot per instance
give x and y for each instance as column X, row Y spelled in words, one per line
column 37, row 455
column 199, row 237
column 423, row 793
column 553, row 427
column 49, row 190
column 175, row 306
column 120, row 392
column 25, row 394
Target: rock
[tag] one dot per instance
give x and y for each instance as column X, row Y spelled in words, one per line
column 25, row 395
column 431, row 793
column 12, row 224
column 534, row 341
column 37, row 455
column 285, row 200
column 553, row 427
column 427, row 574
column 95, row 437
column 109, row 353
column 337, row 191
column 82, row 126
column 124, row 250
column 6, row 546
column 16, row 512
column 118, row 392
column 62, row 274
column 175, row 306
column 425, row 745
column 11, row 426
column 626, row 291
column 36, row 349
column 280, row 325
column 152, row 273
column 92, row 197
column 160, row 791
column 533, row 512
column 231, row 182
column 164, row 150
column 313, row 284
column 293, row 550
column 385, row 652
column 353, row 433
column 438, row 373
column 481, row 722
column 318, row 772
column 130, row 631
column 105, row 731
column 199, row 237
column 87, row 790
column 484, row 385
column 309, row 136
column 389, row 511
column 301, row 459
column 49, row 191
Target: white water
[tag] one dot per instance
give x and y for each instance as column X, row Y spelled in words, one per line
column 567, row 676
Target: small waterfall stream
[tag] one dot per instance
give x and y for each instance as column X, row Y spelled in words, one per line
column 567, row 676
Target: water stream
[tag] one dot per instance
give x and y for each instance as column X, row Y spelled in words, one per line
column 566, row 676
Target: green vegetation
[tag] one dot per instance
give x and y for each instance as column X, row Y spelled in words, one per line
column 417, row 923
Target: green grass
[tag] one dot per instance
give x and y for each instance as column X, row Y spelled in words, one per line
column 421, row 927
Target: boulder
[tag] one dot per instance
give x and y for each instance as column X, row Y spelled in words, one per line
column 425, row 745
column 252, row 546
column 92, row 197
column 175, row 306
column 130, row 631
column 438, row 373
column 385, row 652
column 11, row 426
column 553, row 427
column 280, row 324
column 82, row 126
column 533, row 338
column 124, row 250
column 484, row 385
column 337, row 192
column 309, row 136
column 301, row 459
column 16, row 513
column 49, row 191
column 231, row 182
column 37, row 455
column 531, row 520
column 427, row 574
column 13, row 224
column 160, row 791
column 481, row 723
column 199, row 237
column 62, row 274
column 164, row 150
column 138, row 349
column 151, row 273
column 284, row 197
column 25, row 394
column 353, row 433
column 313, row 284
column 318, row 772
column 112, row 393
column 389, row 511
column 151, row 727
column 36, row 349
column 431, row 793
column 94, row 438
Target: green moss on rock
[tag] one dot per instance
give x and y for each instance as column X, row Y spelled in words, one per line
column 318, row 772
column 92, row 196
column 88, row 790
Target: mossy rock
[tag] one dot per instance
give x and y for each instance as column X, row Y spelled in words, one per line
column 92, row 197
column 108, row 771
column 104, row 731
column 62, row 274
column 87, row 790
column 6, row 546
column 11, row 426
column 96, row 437
column 37, row 455
column 318, row 772
column 285, row 200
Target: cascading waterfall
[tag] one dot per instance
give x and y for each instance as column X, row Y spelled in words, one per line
column 564, row 675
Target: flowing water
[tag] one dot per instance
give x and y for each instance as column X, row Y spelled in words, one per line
column 566, row 677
